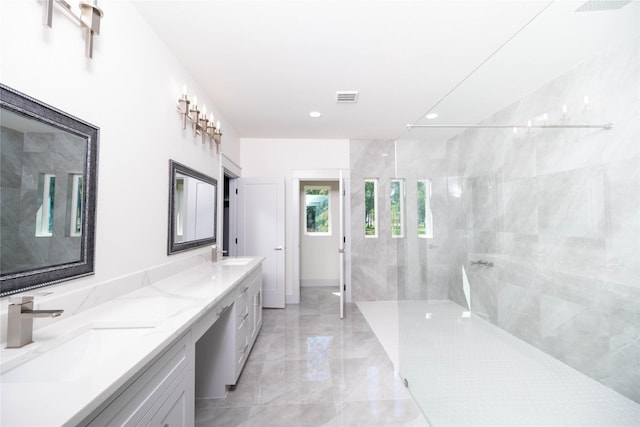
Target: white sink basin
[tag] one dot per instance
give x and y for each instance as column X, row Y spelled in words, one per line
column 76, row 357
column 237, row 261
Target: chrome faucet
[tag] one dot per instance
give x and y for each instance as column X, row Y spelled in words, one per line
column 20, row 320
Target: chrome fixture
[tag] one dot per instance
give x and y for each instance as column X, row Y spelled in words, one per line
column 20, row 317
column 207, row 127
column 88, row 19
column 606, row 126
column 481, row 262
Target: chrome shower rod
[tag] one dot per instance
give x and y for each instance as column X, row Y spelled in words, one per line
column 605, row 126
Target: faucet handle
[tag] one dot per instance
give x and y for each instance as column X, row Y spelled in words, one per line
column 20, row 299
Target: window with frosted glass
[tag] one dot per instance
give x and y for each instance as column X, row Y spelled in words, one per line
column 425, row 216
column 397, row 208
column 370, row 208
column 317, row 202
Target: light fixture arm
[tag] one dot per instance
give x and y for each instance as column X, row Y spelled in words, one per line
column 88, row 19
column 199, row 122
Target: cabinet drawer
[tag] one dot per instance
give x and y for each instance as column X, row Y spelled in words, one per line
column 242, row 353
column 132, row 404
column 204, row 323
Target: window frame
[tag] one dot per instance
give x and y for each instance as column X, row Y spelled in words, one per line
column 374, row 181
column 329, row 231
column 428, row 211
column 401, row 190
column 46, row 199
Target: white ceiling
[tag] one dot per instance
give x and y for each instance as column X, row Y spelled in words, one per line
column 267, row 64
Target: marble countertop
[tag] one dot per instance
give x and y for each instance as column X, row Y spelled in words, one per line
column 78, row 362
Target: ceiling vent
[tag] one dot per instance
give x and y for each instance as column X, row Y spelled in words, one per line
column 595, row 5
column 347, row 97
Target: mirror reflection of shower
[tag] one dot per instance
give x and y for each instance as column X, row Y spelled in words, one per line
column 195, row 202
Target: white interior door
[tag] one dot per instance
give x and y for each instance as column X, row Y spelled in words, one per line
column 261, row 232
column 341, row 248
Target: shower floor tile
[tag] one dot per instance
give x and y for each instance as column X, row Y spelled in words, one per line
column 465, row 371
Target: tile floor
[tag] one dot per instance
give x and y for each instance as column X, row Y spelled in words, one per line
column 464, row 371
column 309, row 368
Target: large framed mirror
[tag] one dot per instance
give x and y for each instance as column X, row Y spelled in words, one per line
column 192, row 208
column 48, row 190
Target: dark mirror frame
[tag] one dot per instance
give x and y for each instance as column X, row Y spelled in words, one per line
column 173, row 246
column 24, row 105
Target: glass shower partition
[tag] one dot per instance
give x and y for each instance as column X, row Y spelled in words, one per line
column 518, row 273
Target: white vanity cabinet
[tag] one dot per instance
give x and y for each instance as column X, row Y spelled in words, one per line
column 248, row 320
column 194, row 331
column 222, row 351
column 162, row 395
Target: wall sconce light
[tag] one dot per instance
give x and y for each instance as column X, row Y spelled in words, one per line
column 201, row 125
column 88, row 19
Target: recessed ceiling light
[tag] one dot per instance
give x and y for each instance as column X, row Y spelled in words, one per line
column 432, row 116
column 315, row 114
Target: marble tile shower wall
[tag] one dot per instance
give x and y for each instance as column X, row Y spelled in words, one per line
column 385, row 268
column 25, row 156
column 374, row 261
column 558, row 213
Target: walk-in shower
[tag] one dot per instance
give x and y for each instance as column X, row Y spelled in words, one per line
column 521, row 307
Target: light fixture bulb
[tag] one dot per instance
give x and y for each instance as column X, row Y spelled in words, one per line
column 195, row 101
column 315, row 114
column 432, row 116
column 184, row 91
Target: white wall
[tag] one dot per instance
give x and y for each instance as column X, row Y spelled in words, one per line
column 264, row 157
column 319, row 258
column 129, row 90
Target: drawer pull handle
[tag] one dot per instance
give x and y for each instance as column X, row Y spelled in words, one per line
column 221, row 312
column 245, row 290
column 244, row 349
column 244, row 316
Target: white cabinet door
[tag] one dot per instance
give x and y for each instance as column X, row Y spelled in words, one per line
column 140, row 401
column 261, row 210
column 175, row 410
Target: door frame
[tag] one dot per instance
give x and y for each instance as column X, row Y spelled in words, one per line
column 334, row 175
column 231, row 169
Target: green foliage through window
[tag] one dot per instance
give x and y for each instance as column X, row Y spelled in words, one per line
column 370, row 207
column 317, row 205
column 397, row 208
column 425, row 216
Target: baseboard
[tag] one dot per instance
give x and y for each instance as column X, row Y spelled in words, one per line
column 308, row 283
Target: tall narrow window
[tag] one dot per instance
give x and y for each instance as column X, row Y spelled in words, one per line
column 397, row 208
column 425, row 216
column 179, row 201
column 75, row 228
column 46, row 198
column 318, row 210
column 370, row 208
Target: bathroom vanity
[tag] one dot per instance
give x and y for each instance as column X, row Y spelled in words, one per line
column 141, row 358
